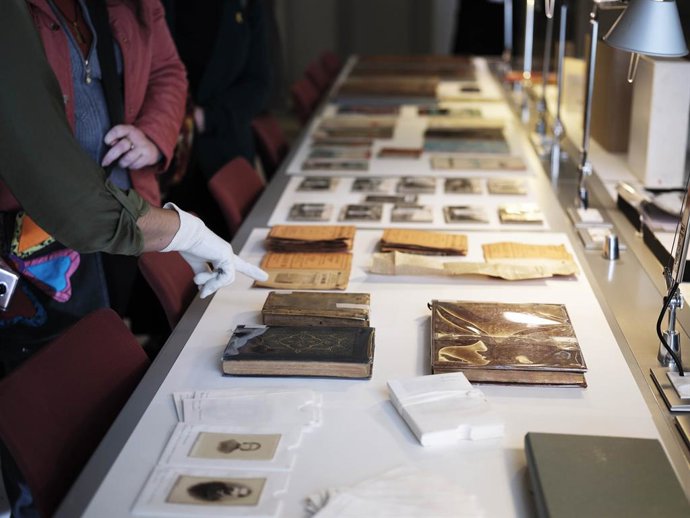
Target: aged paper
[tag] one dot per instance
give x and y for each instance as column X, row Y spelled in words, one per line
column 397, row 263
column 313, row 232
column 518, row 251
column 306, row 271
column 423, row 242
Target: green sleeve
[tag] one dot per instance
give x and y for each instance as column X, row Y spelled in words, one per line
column 58, row 185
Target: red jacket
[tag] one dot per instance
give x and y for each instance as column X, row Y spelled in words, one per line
column 155, row 84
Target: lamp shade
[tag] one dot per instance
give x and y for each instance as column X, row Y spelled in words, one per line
column 650, row 27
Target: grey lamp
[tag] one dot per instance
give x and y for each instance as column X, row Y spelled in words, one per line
column 653, row 27
column 646, row 27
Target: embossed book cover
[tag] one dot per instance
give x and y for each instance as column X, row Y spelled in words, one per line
column 339, row 352
column 495, row 342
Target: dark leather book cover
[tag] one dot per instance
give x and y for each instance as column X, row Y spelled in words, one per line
column 495, row 342
column 614, row 477
column 314, row 308
column 341, row 352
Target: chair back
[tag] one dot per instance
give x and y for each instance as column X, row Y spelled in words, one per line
column 235, row 187
column 171, row 279
column 57, row 406
column 305, row 97
column 318, row 76
column 331, row 63
column 272, row 146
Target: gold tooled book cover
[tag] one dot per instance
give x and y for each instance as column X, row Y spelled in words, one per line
column 314, row 308
column 337, row 352
column 496, row 342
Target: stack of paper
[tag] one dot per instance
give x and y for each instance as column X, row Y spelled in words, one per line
column 444, row 408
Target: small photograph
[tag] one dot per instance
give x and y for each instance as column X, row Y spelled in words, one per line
column 335, row 165
column 520, row 213
column 411, row 213
column 318, row 184
column 212, row 445
column 361, row 212
column 463, row 186
column 417, row 185
column 371, row 184
column 465, row 214
column 506, row 186
column 390, row 198
column 400, row 152
column 432, row 111
column 340, row 152
column 310, row 212
column 216, row 491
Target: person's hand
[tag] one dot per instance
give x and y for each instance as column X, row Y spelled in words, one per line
column 130, row 147
column 199, row 246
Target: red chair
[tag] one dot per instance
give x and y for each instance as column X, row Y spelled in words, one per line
column 305, row 97
column 235, row 187
column 271, row 144
column 331, row 63
column 171, row 279
column 57, row 406
column 318, row 76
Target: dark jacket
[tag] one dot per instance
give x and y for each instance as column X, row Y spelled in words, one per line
column 234, row 85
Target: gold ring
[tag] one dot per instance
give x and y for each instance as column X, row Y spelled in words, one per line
column 131, row 145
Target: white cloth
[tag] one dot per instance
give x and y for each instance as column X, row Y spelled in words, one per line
column 199, row 247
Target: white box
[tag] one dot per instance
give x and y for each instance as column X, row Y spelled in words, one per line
column 659, row 122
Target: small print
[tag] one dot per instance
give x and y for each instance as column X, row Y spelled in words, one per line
column 410, row 213
column 310, row 212
column 214, row 491
column 506, row 186
column 465, row 214
column 417, row 185
column 463, row 186
column 372, row 184
column 390, row 198
column 318, row 184
column 335, row 165
column 362, row 212
column 211, row 445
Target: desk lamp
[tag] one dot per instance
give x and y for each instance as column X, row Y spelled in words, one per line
column 652, row 27
column 645, row 27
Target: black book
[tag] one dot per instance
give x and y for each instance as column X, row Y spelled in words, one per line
column 596, row 476
column 336, row 352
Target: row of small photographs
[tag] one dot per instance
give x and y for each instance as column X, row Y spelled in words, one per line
column 345, row 158
column 420, row 185
column 431, row 110
column 414, row 213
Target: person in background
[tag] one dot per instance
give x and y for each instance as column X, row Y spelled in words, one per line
column 223, row 45
column 67, row 194
column 60, row 285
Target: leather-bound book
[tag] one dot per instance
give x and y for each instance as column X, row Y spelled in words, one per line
column 314, row 308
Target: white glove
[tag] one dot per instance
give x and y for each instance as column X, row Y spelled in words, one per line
column 199, row 246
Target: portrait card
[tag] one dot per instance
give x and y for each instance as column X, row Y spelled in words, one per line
column 310, row 212
column 319, row 164
column 411, row 213
column 173, row 491
column 465, row 214
column 513, row 186
column 372, row 184
column 361, row 212
column 318, row 184
column 390, row 198
column 417, row 185
column 520, row 213
column 220, row 445
column 463, row 186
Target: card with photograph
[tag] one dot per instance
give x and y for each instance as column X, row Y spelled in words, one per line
column 465, row 214
column 506, row 186
column 318, row 184
column 374, row 184
column 417, row 185
column 520, row 213
column 310, row 212
column 335, row 165
column 463, row 186
column 412, row 213
column 173, row 491
column 231, row 446
column 390, row 198
column 362, row 212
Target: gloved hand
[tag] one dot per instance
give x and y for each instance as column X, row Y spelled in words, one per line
column 199, row 246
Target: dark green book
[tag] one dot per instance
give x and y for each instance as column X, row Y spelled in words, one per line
column 335, row 352
column 608, row 477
